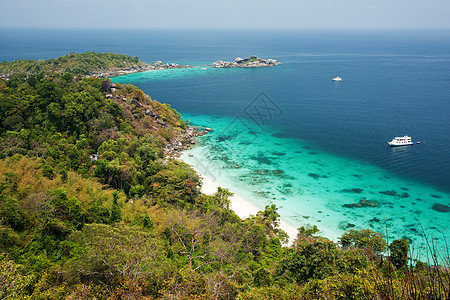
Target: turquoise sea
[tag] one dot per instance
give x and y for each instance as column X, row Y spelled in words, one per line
column 289, row 135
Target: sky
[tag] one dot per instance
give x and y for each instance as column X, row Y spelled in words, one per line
column 353, row 14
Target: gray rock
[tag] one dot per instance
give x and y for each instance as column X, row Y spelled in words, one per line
column 249, row 62
column 106, row 86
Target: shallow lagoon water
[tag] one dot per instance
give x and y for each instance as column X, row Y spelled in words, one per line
column 267, row 163
column 312, row 187
column 162, row 75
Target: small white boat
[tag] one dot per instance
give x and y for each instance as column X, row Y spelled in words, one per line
column 337, row 78
column 401, row 141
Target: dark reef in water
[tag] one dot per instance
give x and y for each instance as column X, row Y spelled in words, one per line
column 389, row 193
column 362, row 203
column 261, row 172
column 278, row 153
column 285, row 190
column 262, row 159
column 280, row 135
column 317, row 176
column 354, row 190
column 441, row 207
column 345, row 225
column 395, row 194
column 224, row 138
column 277, row 172
column 268, row 172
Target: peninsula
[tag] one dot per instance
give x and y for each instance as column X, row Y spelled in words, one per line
column 88, row 64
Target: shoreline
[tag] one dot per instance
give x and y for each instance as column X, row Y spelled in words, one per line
column 121, row 72
column 328, row 189
column 158, row 66
column 242, row 207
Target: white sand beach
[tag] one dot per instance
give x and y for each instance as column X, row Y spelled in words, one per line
column 239, row 205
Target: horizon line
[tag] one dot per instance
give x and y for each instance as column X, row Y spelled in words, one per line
column 225, row 28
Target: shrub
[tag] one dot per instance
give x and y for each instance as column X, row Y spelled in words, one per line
column 399, row 253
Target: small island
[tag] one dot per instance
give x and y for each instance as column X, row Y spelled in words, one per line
column 248, row 62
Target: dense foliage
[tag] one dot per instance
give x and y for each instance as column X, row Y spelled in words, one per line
column 92, row 208
column 77, row 63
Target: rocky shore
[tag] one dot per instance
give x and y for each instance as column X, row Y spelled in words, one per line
column 248, row 62
column 182, row 140
column 135, row 69
column 185, row 140
column 123, row 71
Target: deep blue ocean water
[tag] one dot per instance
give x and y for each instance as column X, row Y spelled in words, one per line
column 290, row 133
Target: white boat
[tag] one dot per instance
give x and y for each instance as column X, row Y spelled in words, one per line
column 337, row 78
column 401, row 141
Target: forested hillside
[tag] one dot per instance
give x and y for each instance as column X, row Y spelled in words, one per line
column 91, row 207
column 77, row 63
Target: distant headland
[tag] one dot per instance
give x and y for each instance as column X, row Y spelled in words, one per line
column 88, row 64
column 103, row 65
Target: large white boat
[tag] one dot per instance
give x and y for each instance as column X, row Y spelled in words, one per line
column 337, row 78
column 401, row 141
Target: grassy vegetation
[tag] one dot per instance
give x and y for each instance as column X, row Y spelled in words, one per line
column 134, row 225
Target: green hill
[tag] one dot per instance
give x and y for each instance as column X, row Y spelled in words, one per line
column 91, row 207
column 84, row 63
